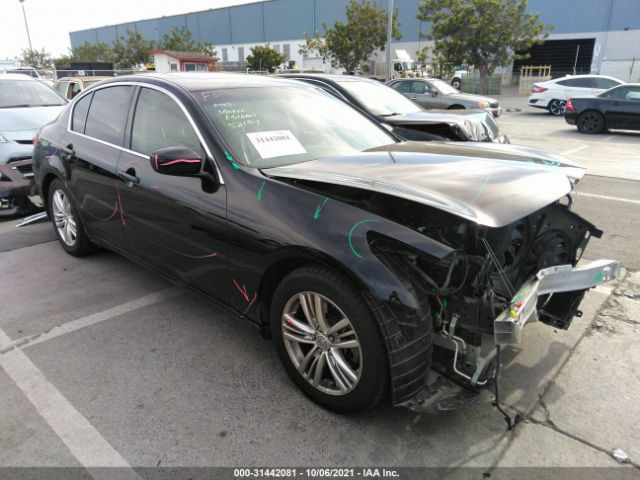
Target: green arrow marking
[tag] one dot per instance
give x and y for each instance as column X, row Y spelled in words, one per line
column 320, row 207
column 230, row 158
column 260, row 191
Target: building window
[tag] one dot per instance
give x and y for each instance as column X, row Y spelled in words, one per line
column 195, row 67
column 277, row 48
column 225, row 55
column 240, row 54
column 173, row 66
column 286, row 51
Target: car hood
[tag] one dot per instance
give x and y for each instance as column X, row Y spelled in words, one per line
column 475, row 125
column 29, row 119
column 453, row 178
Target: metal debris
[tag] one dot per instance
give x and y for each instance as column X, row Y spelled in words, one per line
column 620, row 456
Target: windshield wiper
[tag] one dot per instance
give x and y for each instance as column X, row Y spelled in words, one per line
column 394, row 114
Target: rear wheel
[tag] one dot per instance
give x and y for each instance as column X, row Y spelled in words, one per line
column 328, row 340
column 66, row 221
column 556, row 107
column 590, row 122
column 456, row 83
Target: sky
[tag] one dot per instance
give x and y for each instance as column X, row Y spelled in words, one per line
column 50, row 21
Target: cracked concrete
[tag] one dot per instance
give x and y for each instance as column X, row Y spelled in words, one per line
column 590, row 407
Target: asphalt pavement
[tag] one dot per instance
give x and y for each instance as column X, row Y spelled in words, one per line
column 106, row 364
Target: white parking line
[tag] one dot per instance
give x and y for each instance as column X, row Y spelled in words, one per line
column 575, row 150
column 607, row 197
column 74, row 325
column 81, row 438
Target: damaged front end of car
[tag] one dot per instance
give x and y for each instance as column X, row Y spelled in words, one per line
column 513, row 247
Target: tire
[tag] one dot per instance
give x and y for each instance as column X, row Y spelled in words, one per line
column 556, row 107
column 456, row 83
column 590, row 122
column 368, row 381
column 66, row 221
column 456, row 107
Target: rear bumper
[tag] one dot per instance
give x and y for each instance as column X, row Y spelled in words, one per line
column 570, row 117
column 562, row 278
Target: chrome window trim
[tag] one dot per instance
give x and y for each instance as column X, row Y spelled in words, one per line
column 93, row 89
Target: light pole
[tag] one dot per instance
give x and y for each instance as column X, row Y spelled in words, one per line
column 387, row 69
column 26, row 25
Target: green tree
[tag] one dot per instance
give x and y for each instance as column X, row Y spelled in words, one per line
column 482, row 33
column 348, row 45
column 132, row 50
column 181, row 39
column 38, row 59
column 93, row 52
column 264, row 58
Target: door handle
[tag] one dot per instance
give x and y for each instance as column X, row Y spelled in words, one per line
column 129, row 177
column 68, row 150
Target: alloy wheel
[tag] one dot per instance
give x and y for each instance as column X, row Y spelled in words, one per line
column 63, row 218
column 321, row 343
column 556, row 107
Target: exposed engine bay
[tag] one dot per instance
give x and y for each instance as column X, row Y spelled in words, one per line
column 469, row 287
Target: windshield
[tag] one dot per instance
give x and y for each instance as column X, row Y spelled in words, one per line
column 27, row 93
column 379, row 99
column 408, row 66
column 271, row 126
column 443, row 87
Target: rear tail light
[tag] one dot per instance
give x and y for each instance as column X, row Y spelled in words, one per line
column 569, row 106
column 537, row 89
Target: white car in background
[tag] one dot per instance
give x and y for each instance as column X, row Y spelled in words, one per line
column 553, row 94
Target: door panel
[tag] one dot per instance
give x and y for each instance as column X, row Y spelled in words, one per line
column 97, row 132
column 175, row 223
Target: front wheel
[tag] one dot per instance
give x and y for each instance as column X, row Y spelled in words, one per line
column 328, row 340
column 556, row 107
column 66, row 221
column 590, row 122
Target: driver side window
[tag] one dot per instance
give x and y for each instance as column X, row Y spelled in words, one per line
column 419, row 87
column 159, row 123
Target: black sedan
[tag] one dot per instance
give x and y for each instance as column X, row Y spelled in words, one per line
column 617, row 108
column 407, row 119
column 358, row 254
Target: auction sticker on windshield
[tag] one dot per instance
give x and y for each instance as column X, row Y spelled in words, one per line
column 276, row 143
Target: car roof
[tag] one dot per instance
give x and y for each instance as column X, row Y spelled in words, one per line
column 328, row 77
column 17, row 76
column 586, row 75
column 207, row 80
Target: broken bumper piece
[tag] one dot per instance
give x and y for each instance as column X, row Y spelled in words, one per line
column 561, row 278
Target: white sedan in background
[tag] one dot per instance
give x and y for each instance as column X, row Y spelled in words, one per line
column 553, row 94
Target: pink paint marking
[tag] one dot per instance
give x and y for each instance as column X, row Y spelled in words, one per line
column 255, row 296
column 180, row 160
column 242, row 290
column 119, row 204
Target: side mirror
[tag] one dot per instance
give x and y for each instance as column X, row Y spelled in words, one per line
column 179, row 161
column 434, row 93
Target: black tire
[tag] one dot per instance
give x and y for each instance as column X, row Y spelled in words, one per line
column 456, row 83
column 590, row 122
column 456, row 107
column 373, row 384
column 556, row 107
column 82, row 246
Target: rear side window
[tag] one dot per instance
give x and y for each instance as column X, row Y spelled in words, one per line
column 605, row 83
column 419, row 87
column 80, row 114
column 159, row 123
column 586, row 82
column 108, row 114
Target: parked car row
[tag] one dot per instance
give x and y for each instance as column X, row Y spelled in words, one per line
column 296, row 203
